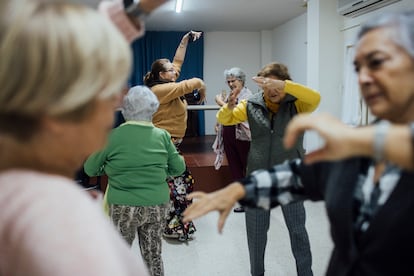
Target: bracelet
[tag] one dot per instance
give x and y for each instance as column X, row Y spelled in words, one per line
column 381, row 130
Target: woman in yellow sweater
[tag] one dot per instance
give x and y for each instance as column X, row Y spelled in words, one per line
column 268, row 114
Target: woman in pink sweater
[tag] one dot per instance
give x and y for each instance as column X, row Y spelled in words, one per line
column 61, row 72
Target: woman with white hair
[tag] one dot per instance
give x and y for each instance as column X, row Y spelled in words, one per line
column 62, row 69
column 234, row 140
column 137, row 160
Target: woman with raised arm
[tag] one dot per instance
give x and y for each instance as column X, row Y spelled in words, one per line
column 172, row 116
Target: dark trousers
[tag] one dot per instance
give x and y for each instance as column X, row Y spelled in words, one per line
column 236, row 152
column 257, row 224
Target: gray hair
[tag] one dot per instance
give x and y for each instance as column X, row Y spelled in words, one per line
column 235, row 72
column 403, row 25
column 139, row 104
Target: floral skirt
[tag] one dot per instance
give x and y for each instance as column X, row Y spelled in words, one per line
column 180, row 187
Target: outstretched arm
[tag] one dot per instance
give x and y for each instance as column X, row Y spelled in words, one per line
column 182, row 47
column 342, row 141
column 261, row 189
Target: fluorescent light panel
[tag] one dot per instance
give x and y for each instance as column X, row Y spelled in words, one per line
column 178, row 6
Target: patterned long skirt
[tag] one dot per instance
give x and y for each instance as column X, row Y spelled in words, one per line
column 180, row 187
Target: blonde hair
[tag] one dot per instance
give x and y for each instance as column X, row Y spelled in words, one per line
column 57, row 58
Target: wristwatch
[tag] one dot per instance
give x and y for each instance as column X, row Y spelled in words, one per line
column 134, row 9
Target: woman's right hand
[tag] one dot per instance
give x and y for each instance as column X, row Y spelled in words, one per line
column 269, row 83
column 232, row 100
column 202, row 93
column 221, row 200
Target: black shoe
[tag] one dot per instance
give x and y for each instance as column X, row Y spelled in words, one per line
column 239, row 209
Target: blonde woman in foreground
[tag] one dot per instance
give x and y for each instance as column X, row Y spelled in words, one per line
column 61, row 72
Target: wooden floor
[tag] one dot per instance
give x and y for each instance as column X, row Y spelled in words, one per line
column 200, row 157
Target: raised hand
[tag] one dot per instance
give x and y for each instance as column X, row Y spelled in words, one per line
column 193, row 35
column 232, row 100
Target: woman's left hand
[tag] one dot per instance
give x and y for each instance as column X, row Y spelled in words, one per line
column 193, row 35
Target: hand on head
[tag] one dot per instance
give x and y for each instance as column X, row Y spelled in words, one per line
column 270, row 83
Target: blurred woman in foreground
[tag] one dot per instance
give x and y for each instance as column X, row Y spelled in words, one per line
column 369, row 201
column 61, row 72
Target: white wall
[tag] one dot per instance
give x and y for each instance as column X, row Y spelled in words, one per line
column 223, row 50
column 251, row 51
column 350, row 29
column 311, row 45
column 289, row 47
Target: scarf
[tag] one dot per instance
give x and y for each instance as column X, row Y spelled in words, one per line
column 273, row 107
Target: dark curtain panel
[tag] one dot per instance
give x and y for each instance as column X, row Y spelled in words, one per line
column 155, row 45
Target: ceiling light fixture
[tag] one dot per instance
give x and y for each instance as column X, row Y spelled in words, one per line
column 178, row 6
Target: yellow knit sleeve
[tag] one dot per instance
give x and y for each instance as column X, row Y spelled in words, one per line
column 228, row 117
column 307, row 98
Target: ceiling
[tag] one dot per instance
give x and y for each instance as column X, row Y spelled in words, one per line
column 221, row 15
column 225, row 15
